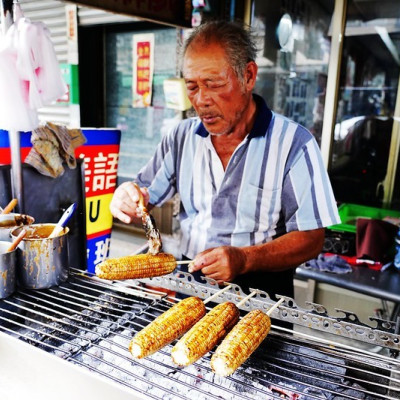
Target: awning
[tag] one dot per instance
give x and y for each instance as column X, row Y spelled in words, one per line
column 170, row 12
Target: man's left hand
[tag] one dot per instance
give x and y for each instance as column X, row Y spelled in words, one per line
column 223, row 263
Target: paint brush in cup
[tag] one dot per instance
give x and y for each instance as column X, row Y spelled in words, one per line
column 63, row 221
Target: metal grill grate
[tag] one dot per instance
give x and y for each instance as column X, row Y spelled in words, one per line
column 90, row 322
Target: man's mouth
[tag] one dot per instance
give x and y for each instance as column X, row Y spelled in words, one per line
column 208, row 118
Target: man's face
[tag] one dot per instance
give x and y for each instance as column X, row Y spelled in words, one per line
column 216, row 93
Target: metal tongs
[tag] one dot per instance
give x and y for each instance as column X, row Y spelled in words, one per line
column 149, row 225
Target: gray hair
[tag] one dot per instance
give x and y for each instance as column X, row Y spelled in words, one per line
column 235, row 38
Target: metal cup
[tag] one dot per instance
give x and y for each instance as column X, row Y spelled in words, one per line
column 8, row 265
column 19, row 219
column 42, row 262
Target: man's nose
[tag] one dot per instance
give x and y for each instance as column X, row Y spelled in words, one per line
column 203, row 97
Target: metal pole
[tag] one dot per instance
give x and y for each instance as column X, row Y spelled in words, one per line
column 14, row 136
column 390, row 178
column 332, row 86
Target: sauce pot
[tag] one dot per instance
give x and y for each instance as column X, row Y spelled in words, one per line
column 8, row 265
column 42, row 261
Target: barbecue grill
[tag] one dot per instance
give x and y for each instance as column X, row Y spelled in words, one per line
column 71, row 341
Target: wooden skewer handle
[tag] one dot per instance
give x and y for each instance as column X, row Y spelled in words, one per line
column 269, row 312
column 9, row 207
column 18, row 239
column 182, row 262
column 216, row 294
column 141, row 199
column 241, row 302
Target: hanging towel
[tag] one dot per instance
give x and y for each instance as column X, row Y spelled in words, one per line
column 54, row 145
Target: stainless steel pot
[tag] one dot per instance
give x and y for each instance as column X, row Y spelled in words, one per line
column 16, row 220
column 8, row 264
column 42, row 262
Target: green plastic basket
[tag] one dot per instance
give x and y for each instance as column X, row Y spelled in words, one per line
column 350, row 212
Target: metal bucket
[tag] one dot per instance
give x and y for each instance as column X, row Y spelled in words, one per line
column 19, row 220
column 8, row 265
column 42, row 262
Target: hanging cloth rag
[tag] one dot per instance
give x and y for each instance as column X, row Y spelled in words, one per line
column 375, row 239
column 52, row 146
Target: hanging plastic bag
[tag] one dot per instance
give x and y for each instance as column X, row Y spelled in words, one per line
column 30, row 75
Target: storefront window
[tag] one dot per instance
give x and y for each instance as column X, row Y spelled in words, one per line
column 142, row 128
column 293, row 58
column 366, row 102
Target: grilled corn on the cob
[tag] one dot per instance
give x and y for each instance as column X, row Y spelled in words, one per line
column 167, row 327
column 137, row 266
column 206, row 334
column 240, row 343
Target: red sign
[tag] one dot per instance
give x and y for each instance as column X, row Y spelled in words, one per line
column 100, row 168
column 143, row 66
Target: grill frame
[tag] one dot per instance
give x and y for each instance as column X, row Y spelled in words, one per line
column 101, row 310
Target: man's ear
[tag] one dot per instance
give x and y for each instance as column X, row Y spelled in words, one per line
column 250, row 75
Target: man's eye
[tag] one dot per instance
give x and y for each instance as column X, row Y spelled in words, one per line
column 215, row 85
column 191, row 88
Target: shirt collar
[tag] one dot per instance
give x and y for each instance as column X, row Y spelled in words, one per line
column 261, row 123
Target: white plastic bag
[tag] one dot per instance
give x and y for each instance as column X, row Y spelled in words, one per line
column 30, row 75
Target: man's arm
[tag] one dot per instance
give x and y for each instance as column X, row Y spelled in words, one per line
column 225, row 263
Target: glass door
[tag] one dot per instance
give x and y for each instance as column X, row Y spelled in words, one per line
column 364, row 151
column 293, row 59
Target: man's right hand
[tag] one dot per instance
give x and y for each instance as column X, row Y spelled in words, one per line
column 125, row 202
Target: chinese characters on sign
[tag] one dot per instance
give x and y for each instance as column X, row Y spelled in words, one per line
column 100, row 155
column 143, row 66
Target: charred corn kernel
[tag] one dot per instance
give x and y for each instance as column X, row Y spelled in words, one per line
column 137, row 266
column 206, row 334
column 167, row 327
column 240, row 343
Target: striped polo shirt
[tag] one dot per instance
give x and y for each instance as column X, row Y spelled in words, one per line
column 275, row 182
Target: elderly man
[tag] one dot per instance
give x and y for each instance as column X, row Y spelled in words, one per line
column 255, row 197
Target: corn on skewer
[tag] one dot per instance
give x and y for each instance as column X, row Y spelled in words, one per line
column 205, row 334
column 170, row 325
column 137, row 266
column 242, row 341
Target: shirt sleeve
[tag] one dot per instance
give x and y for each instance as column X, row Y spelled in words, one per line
column 308, row 201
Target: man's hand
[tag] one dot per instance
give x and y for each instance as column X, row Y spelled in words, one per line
column 125, row 202
column 223, row 263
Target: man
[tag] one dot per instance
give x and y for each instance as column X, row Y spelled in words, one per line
column 255, row 197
